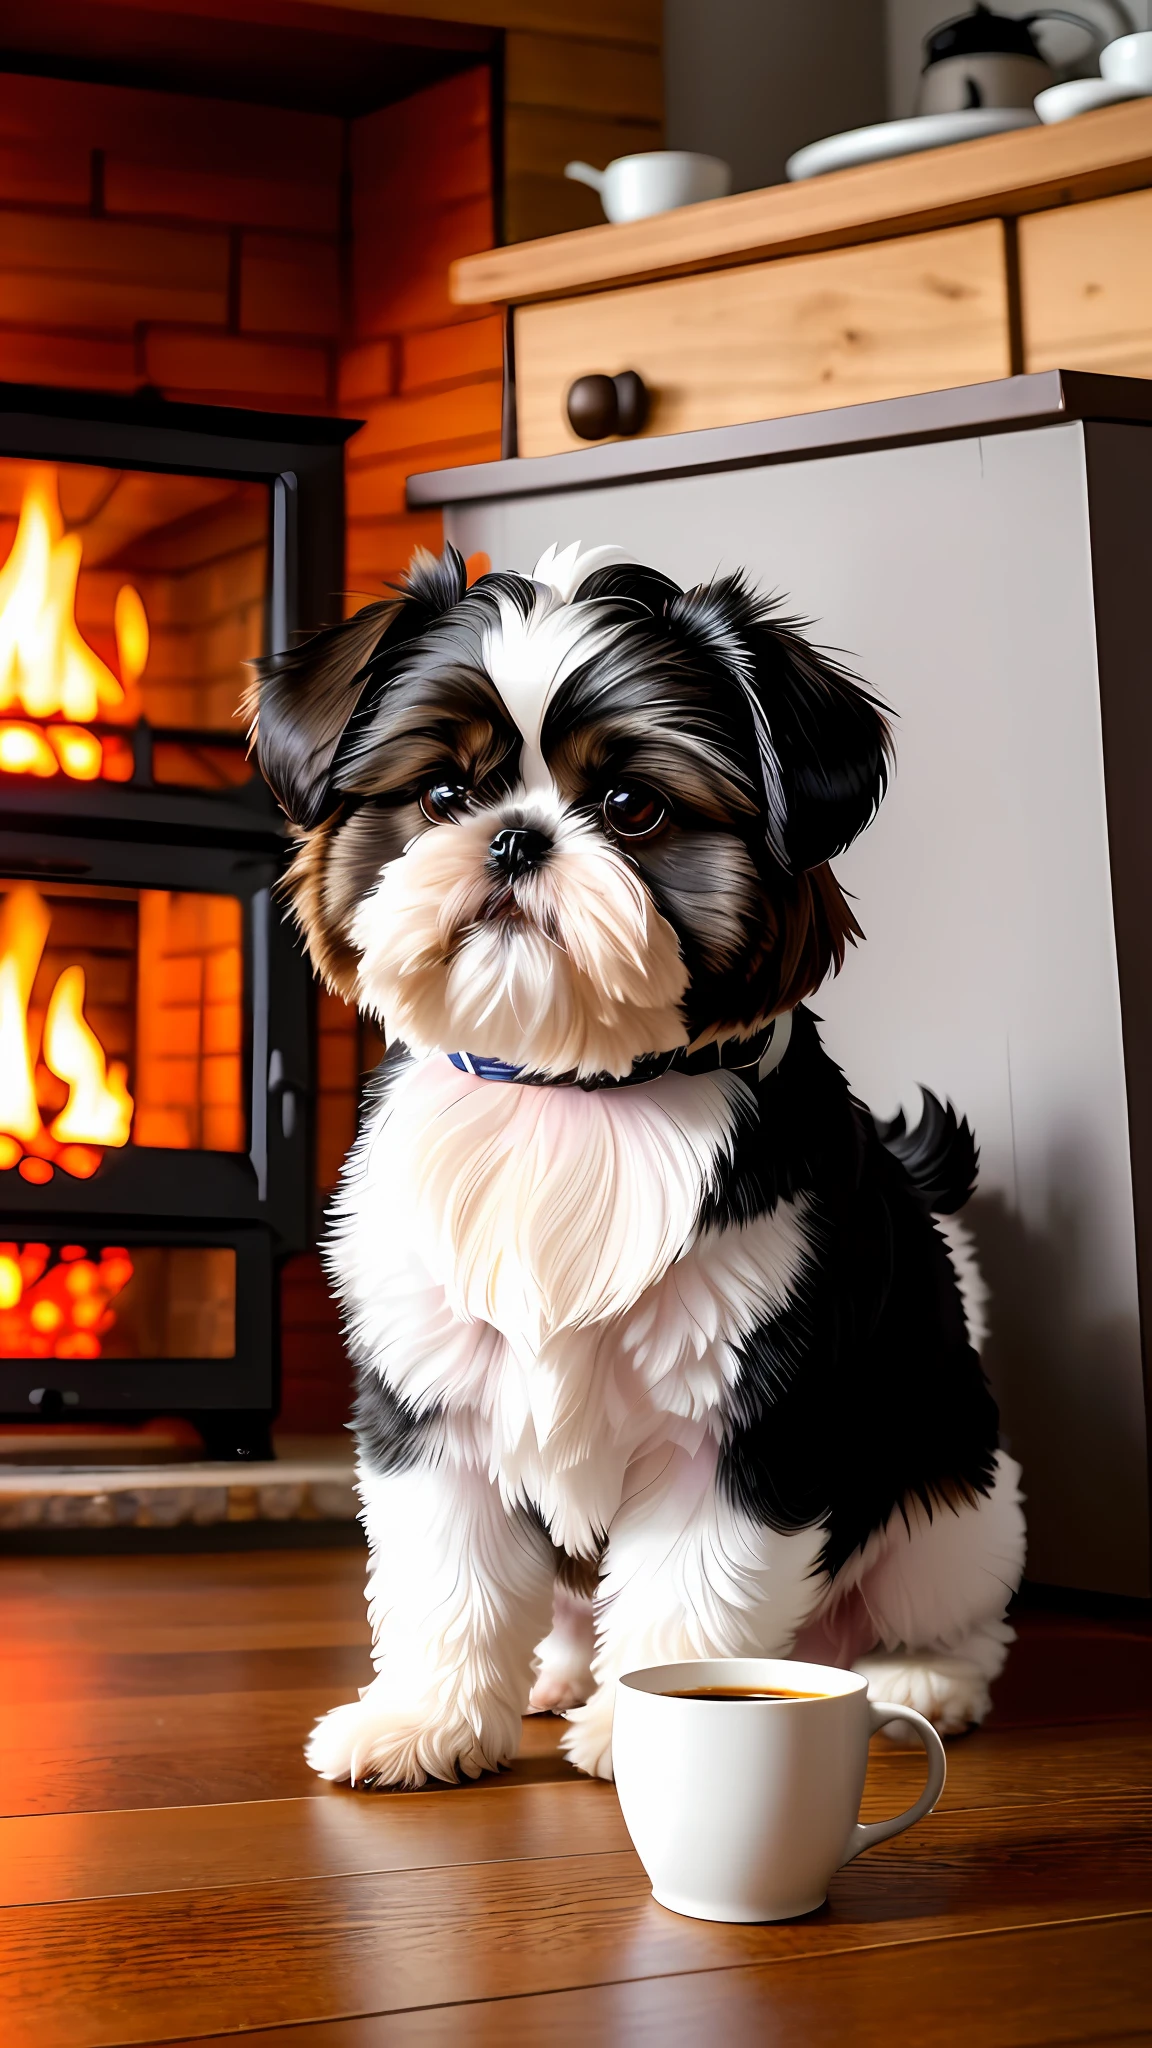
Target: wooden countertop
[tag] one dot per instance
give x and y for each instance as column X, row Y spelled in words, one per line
column 1022, row 172
column 173, row 1871
column 1045, row 398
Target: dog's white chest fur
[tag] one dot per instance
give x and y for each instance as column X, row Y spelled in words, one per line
column 527, row 1261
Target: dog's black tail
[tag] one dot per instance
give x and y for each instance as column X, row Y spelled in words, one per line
column 940, row 1156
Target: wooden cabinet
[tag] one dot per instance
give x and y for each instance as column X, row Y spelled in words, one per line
column 1028, row 250
column 1086, row 286
column 767, row 339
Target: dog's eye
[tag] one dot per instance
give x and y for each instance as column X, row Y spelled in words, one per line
column 443, row 801
column 634, row 810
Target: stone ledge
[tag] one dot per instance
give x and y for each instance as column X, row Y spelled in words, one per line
column 200, row 1496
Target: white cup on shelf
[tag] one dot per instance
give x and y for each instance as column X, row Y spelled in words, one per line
column 654, row 181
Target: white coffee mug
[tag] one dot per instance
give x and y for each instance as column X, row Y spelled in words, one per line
column 653, row 181
column 743, row 1809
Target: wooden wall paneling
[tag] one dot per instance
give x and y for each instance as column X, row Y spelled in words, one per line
column 799, row 335
column 570, row 97
column 583, row 77
column 538, row 142
column 1086, row 286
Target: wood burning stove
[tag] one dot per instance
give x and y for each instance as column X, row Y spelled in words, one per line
column 155, row 1055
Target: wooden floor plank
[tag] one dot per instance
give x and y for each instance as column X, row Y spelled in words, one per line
column 173, row 1870
column 1088, row 1984
column 332, row 1832
column 64, row 1857
column 166, row 1751
column 75, row 1757
column 35, row 1681
column 997, row 1767
column 131, row 1970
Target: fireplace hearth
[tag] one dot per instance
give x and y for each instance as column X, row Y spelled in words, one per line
column 155, row 1012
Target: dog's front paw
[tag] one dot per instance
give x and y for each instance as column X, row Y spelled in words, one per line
column 555, row 1691
column 376, row 1742
column 564, row 1678
column 587, row 1740
column 951, row 1692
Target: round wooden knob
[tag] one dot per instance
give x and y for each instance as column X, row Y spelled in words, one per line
column 598, row 406
column 592, row 407
column 631, row 402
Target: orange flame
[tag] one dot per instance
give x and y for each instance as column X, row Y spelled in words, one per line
column 98, row 1111
column 47, row 669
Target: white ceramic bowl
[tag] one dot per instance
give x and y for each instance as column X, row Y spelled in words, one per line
column 1081, row 96
column 1128, row 61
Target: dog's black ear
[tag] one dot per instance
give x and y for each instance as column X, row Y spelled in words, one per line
column 304, row 699
column 832, row 740
column 824, row 744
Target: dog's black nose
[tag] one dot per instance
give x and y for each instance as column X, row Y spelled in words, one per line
column 518, row 848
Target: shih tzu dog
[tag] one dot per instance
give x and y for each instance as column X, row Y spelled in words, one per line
column 665, row 1349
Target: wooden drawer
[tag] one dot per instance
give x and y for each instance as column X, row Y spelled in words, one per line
column 767, row 339
column 1086, row 286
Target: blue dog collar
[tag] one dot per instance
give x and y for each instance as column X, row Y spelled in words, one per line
column 484, row 1069
column 756, row 1057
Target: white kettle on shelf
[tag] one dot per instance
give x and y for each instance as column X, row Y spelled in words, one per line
column 984, row 59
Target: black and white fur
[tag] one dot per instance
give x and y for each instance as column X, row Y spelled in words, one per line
column 700, row 1345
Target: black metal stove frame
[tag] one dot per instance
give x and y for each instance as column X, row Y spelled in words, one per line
column 233, row 842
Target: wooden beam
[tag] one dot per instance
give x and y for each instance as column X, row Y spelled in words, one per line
column 576, row 76
column 635, row 22
column 1100, row 153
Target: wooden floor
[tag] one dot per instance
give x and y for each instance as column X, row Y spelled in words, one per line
column 170, row 1870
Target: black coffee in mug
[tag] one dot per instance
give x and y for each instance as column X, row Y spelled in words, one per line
column 742, row 1692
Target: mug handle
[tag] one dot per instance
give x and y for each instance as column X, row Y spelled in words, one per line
column 880, row 1712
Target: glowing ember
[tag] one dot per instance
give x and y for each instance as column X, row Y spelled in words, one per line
column 55, row 1303
column 47, row 670
column 98, row 1111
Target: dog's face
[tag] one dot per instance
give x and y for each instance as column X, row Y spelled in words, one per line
column 569, row 820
